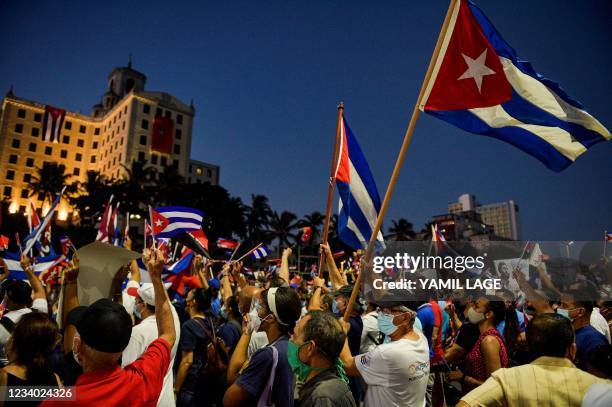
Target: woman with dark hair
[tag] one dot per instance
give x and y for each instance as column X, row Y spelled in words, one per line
column 31, row 343
column 489, row 353
column 268, row 377
column 231, row 328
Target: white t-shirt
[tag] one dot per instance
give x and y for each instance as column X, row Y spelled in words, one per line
column 142, row 336
column 258, row 341
column 396, row 373
column 39, row 304
column 599, row 322
column 369, row 331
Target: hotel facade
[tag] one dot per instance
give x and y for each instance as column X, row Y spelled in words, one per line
column 118, row 131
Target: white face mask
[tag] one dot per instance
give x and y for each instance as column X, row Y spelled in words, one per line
column 474, row 316
column 74, row 347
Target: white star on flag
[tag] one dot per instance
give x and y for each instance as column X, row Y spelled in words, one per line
column 476, row 69
column 159, row 222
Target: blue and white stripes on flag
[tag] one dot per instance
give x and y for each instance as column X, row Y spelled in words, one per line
column 12, row 261
column 52, row 123
column 480, row 84
column 170, row 221
column 359, row 200
column 36, row 233
column 260, row 253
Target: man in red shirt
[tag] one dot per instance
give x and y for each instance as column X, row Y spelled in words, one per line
column 103, row 333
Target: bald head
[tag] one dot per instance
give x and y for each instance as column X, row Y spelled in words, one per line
column 246, row 296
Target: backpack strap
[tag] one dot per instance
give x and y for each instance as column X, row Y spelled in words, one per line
column 266, row 396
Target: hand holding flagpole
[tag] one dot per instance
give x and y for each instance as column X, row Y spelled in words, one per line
column 332, row 183
column 398, row 163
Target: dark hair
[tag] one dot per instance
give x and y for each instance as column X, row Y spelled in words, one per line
column 277, row 281
column 325, row 330
column 501, row 312
column 550, row 335
column 231, row 304
column 328, row 300
column 34, row 338
column 288, row 307
column 582, row 296
column 203, row 299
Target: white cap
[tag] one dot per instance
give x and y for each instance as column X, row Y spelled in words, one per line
column 147, row 294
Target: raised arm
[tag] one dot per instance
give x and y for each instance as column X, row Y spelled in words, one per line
column 334, row 275
column 38, row 291
column 154, row 259
column 317, row 288
column 284, row 268
column 71, row 293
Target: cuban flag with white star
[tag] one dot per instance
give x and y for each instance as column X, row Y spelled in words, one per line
column 479, row 84
column 171, row 221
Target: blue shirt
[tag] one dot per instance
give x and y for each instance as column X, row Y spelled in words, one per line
column 428, row 321
column 587, row 339
column 255, row 377
column 521, row 320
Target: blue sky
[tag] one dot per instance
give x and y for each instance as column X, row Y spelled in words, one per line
column 266, row 78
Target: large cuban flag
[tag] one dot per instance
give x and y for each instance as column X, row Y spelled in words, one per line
column 52, row 123
column 170, row 221
column 359, row 200
column 479, row 84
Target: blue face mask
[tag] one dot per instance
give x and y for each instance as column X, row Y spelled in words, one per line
column 564, row 312
column 223, row 313
column 137, row 313
column 335, row 309
column 385, row 324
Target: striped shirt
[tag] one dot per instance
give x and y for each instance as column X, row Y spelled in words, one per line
column 547, row 381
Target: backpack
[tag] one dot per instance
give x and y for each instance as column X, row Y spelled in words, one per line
column 214, row 358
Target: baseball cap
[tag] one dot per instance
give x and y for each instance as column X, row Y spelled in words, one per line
column 105, row 326
column 214, row 283
column 147, row 294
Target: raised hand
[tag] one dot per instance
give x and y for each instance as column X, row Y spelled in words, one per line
column 154, row 259
column 287, row 252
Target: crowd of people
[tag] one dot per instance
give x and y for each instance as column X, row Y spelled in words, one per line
column 285, row 338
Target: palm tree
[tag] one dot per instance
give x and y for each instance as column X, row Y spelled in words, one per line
column 170, row 186
column 282, row 227
column 92, row 195
column 402, row 230
column 257, row 217
column 49, row 180
column 133, row 190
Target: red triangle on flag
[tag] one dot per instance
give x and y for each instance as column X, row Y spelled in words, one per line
column 160, row 222
column 471, row 74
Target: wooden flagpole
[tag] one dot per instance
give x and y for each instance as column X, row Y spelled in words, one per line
column 398, row 163
column 332, row 183
column 249, row 252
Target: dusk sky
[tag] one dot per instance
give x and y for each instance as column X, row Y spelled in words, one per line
column 266, row 76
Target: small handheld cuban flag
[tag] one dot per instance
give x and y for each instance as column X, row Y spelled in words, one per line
column 170, row 221
column 52, row 124
column 479, row 83
column 260, row 253
column 37, row 232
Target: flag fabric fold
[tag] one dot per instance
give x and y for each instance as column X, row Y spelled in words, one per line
column 359, row 199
